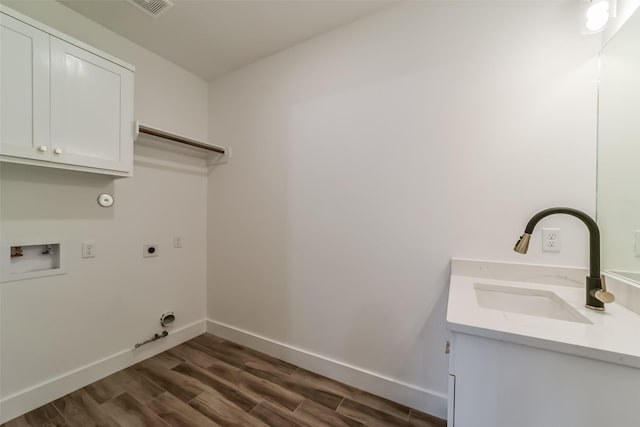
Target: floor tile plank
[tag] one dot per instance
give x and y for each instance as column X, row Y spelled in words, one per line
column 164, row 359
column 44, row 416
column 80, row 410
column 420, row 419
column 238, row 355
column 184, row 388
column 137, row 386
column 192, row 354
column 130, row 413
column 381, row 404
column 20, row 421
column 323, row 383
column 198, row 343
column 319, row 415
column 104, row 389
column 258, row 387
column 369, row 416
column 320, row 396
column 176, row 413
column 275, row 416
column 215, row 407
column 225, row 371
column 242, row 400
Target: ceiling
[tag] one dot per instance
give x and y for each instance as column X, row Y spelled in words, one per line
column 212, row 37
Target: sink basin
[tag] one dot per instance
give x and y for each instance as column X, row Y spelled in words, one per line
column 532, row 302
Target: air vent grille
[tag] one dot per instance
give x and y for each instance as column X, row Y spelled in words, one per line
column 152, row 7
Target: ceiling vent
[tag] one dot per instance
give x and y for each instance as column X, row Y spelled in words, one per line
column 154, row 8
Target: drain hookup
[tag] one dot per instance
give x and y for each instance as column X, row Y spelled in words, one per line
column 166, row 320
column 155, row 337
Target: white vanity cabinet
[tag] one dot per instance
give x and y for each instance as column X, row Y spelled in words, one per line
column 63, row 104
column 501, row 384
column 525, row 352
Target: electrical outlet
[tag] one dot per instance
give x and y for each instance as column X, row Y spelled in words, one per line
column 637, row 243
column 551, row 240
column 177, row 242
column 88, row 250
column 150, row 249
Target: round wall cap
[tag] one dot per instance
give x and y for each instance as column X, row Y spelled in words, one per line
column 105, row 200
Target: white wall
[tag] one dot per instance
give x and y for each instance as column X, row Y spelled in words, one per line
column 103, row 306
column 366, row 158
column 624, row 9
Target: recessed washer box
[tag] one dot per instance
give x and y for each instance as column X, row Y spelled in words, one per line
column 30, row 259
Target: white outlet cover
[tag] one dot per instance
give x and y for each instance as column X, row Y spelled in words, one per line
column 551, row 241
column 637, row 243
column 88, row 250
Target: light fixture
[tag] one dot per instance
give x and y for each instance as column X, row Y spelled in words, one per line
column 598, row 15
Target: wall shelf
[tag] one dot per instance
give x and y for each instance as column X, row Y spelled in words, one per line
column 141, row 128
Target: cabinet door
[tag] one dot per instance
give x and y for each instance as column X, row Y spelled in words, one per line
column 91, row 109
column 24, row 90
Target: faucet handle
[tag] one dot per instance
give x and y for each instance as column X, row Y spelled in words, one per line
column 602, row 294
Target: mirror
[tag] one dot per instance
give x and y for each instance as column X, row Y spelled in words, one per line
column 618, row 208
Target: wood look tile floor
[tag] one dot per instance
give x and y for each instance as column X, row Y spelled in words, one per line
column 209, row 381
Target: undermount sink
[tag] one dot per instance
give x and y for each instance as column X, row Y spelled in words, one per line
column 532, row 302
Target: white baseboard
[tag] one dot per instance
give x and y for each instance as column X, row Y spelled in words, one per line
column 428, row 401
column 33, row 397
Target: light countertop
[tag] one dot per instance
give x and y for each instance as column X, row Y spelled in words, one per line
column 612, row 336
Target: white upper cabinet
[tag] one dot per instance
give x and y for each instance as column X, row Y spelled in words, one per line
column 90, row 123
column 64, row 104
column 24, row 90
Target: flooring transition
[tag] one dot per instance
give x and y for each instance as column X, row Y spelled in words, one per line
column 208, row 381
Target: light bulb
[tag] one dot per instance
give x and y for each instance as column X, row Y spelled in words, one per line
column 597, row 15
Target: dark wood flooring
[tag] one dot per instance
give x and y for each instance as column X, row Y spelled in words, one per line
column 209, row 381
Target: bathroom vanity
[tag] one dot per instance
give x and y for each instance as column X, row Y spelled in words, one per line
column 526, row 352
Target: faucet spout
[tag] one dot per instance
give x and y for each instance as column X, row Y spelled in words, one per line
column 596, row 292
